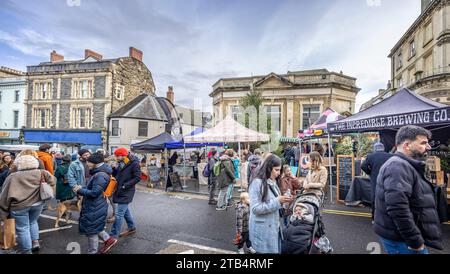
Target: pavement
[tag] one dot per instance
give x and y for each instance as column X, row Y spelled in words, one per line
column 180, row 223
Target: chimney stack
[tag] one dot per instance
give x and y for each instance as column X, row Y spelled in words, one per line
column 170, row 95
column 55, row 57
column 136, row 54
column 90, row 53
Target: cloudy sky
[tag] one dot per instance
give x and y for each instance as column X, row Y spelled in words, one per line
column 190, row 44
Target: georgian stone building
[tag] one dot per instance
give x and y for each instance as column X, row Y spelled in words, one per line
column 421, row 58
column 68, row 102
column 293, row 101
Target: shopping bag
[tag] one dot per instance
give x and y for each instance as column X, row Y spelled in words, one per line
column 8, row 234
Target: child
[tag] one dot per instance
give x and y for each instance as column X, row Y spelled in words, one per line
column 242, row 215
column 304, row 213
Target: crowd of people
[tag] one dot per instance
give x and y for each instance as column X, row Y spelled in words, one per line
column 84, row 177
column 263, row 211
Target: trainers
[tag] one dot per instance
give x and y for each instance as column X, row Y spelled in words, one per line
column 127, row 233
column 241, row 251
column 35, row 246
column 251, row 250
column 108, row 245
column 221, row 208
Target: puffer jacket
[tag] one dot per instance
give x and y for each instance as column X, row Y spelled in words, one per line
column 226, row 175
column 94, row 209
column 242, row 216
column 405, row 206
column 127, row 177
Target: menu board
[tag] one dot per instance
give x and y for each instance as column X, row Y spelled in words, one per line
column 345, row 175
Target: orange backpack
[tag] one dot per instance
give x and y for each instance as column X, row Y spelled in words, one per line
column 112, row 185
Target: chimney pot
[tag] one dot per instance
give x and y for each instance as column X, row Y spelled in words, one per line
column 55, row 57
column 170, row 94
column 136, row 54
column 90, row 53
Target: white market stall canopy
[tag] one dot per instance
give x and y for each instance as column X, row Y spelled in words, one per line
column 228, row 131
column 18, row 147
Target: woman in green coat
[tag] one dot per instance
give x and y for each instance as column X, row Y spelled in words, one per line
column 63, row 190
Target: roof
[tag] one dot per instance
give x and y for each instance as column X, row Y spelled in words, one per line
column 310, row 72
column 145, row 107
column 78, row 62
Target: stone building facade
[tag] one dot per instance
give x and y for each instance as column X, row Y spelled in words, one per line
column 420, row 60
column 293, row 101
column 68, row 102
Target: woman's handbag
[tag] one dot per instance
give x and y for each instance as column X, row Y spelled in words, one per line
column 7, row 233
column 45, row 191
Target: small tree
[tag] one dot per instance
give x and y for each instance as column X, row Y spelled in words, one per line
column 252, row 99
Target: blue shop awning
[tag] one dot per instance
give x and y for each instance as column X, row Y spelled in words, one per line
column 63, row 137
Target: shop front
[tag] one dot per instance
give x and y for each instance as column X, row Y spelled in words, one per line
column 10, row 137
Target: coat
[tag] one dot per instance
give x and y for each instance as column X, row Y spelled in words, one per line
column 371, row 166
column 226, row 175
column 293, row 184
column 63, row 190
column 21, row 190
column 212, row 177
column 405, row 206
column 94, row 209
column 76, row 174
column 242, row 216
column 264, row 224
column 254, row 162
column 316, row 181
column 47, row 159
column 127, row 177
column 4, row 172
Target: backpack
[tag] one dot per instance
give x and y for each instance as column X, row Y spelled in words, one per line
column 112, row 185
column 206, row 172
column 217, row 168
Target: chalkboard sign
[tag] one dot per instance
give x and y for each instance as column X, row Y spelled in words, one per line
column 345, row 175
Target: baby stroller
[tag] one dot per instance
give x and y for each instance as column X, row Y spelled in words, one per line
column 306, row 234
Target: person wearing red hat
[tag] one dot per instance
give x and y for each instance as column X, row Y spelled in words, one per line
column 127, row 174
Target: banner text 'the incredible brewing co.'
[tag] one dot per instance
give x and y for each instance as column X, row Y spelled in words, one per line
column 400, row 120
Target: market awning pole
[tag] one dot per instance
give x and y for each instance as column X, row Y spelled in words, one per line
column 239, row 172
column 166, row 164
column 330, row 169
column 184, row 165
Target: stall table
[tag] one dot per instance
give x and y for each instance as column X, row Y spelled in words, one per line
column 360, row 192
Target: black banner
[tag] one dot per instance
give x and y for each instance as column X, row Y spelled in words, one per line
column 422, row 118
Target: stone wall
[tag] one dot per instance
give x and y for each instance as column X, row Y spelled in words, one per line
column 66, row 88
column 99, row 117
column 99, row 87
column 53, row 118
column 134, row 76
column 64, row 116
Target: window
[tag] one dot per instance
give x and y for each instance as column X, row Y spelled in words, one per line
column 273, row 118
column 235, row 112
column 412, row 49
column 120, row 92
column 82, row 89
column 428, row 33
column 42, row 91
column 81, row 117
column 310, row 115
column 42, row 117
column 143, row 129
column 399, row 60
column 115, row 128
column 17, row 96
column 16, row 118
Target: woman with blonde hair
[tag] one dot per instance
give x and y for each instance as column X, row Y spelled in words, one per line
column 317, row 177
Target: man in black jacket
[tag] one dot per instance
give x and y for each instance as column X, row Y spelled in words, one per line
column 127, row 174
column 372, row 165
column 406, row 218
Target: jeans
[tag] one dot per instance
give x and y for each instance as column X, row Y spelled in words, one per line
column 110, row 203
column 230, row 193
column 122, row 211
column 27, row 228
column 222, row 200
column 393, row 247
column 93, row 241
column 211, row 188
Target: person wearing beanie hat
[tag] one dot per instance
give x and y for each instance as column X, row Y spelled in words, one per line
column 127, row 174
column 78, row 169
column 372, row 165
column 94, row 209
column 63, row 190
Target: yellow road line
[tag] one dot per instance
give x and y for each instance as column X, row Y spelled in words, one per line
column 347, row 213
